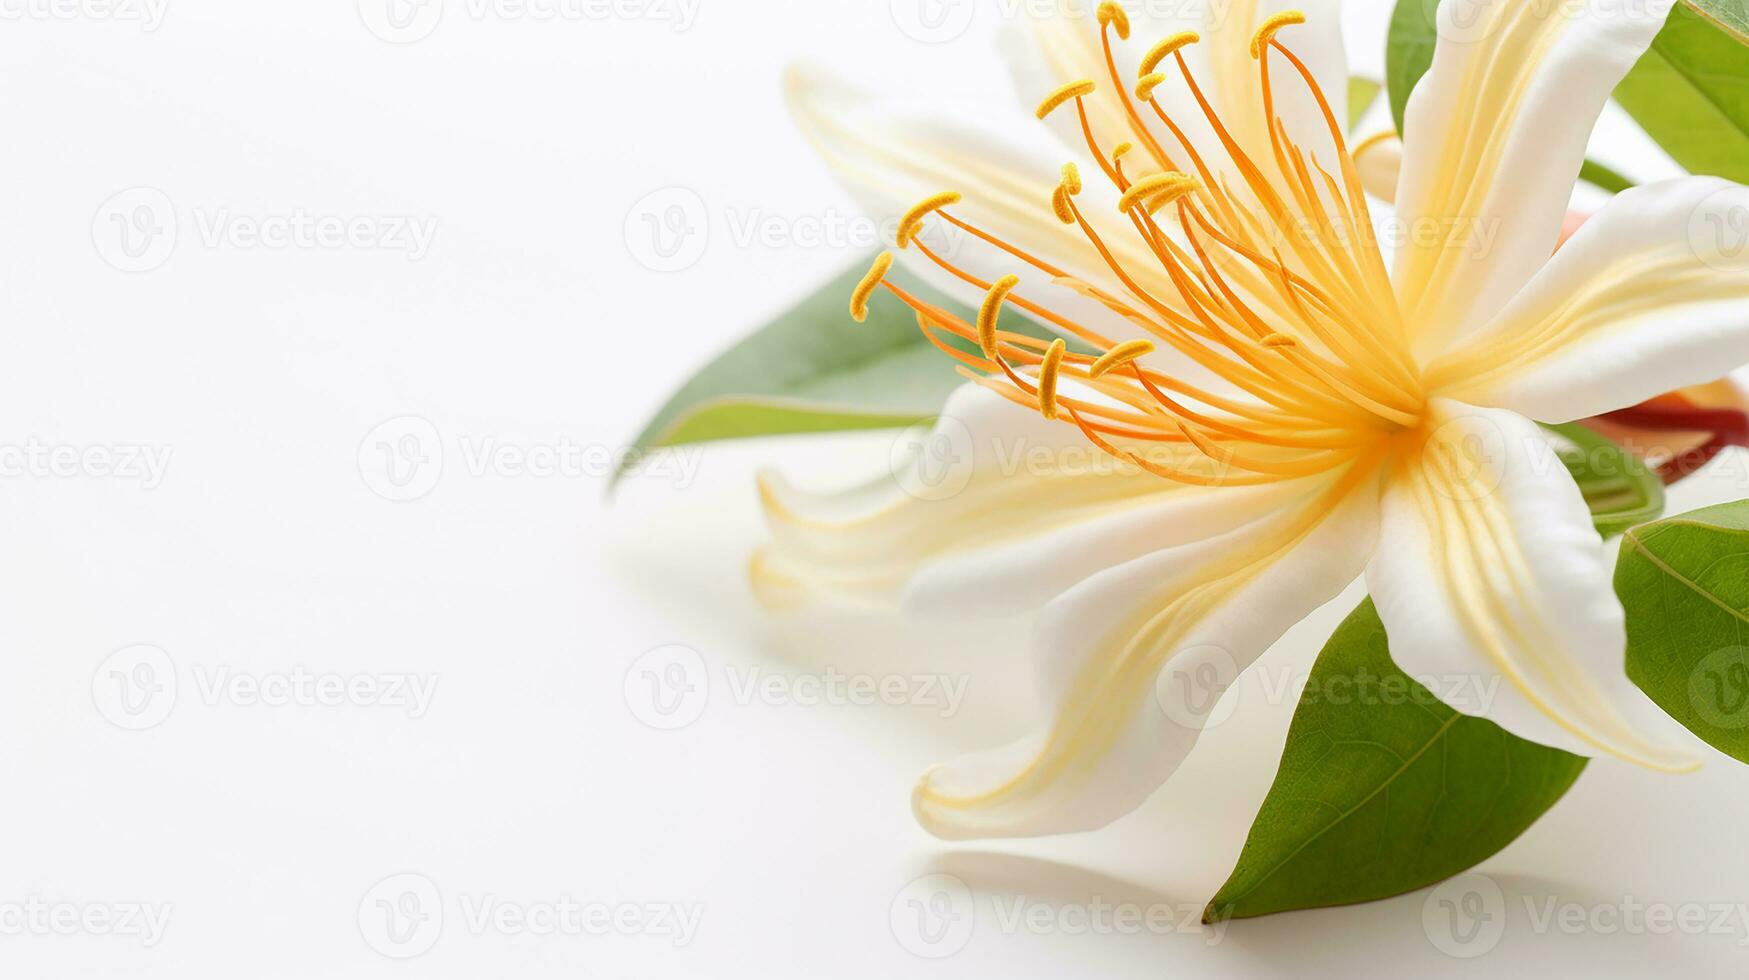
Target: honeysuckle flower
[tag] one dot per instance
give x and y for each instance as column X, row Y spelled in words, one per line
column 1290, row 406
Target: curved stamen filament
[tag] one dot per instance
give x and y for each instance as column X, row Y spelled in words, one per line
column 1291, row 357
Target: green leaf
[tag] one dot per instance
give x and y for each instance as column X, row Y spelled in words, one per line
column 1383, row 789
column 1685, row 584
column 1598, row 175
column 1690, row 92
column 814, row 369
column 1731, row 16
column 1619, row 487
column 1408, row 52
column 1362, row 93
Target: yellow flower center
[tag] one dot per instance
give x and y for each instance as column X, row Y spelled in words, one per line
column 1274, row 288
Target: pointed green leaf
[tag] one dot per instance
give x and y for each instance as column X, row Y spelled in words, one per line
column 814, row 369
column 1383, row 789
column 1730, row 16
column 1685, row 584
column 1408, row 52
column 1690, row 92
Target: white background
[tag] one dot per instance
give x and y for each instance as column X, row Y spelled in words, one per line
column 528, row 600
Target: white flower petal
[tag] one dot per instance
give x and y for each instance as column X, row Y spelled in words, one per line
column 1379, row 160
column 1488, row 567
column 1494, row 137
column 957, row 488
column 1651, row 294
column 891, row 157
column 1044, row 52
column 1118, row 652
column 1023, row 574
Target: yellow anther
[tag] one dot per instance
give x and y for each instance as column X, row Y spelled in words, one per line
column 1118, row 151
column 1158, row 52
column 1279, row 340
column 1111, row 13
column 1071, row 178
column 912, row 223
column 1157, row 191
column 1145, row 88
column 1120, row 355
column 866, row 288
column 1060, row 205
column 1275, row 23
column 1073, row 90
column 1047, row 378
column 991, row 309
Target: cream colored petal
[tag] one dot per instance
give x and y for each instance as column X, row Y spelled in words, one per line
column 891, row 157
column 1494, row 587
column 1494, row 137
column 973, row 481
column 1133, row 659
column 1047, row 48
column 1379, row 161
column 1651, row 294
